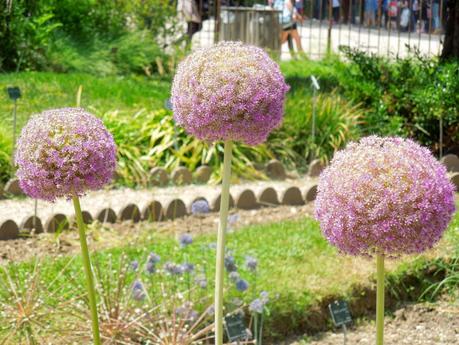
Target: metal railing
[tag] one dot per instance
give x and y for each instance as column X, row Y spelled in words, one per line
column 382, row 27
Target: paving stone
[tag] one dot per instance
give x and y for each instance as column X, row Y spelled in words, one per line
column 9, row 230
column 275, row 170
column 159, row 177
column 202, row 174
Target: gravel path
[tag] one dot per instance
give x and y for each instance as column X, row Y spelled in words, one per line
column 418, row 324
column 19, row 209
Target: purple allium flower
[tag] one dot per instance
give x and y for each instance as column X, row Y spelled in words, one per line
column 234, row 276
column 173, row 269
column 134, row 265
column 230, row 91
column 384, row 195
column 187, row 267
column 230, row 263
column 242, row 285
column 138, row 291
column 185, row 240
column 251, row 263
column 200, row 207
column 63, row 152
column 201, row 281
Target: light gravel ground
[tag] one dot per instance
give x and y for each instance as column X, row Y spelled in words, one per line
column 314, row 39
column 418, row 324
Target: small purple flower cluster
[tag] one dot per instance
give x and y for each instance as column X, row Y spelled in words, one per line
column 64, row 152
column 258, row 304
column 185, row 240
column 153, row 259
column 386, row 196
column 230, row 91
column 200, row 207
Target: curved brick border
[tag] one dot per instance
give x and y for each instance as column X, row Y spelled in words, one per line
column 268, row 196
column 153, row 211
column 28, row 224
column 454, row 178
column 57, row 222
column 159, row 177
column 12, row 187
column 310, row 193
column 246, row 200
column 181, row 176
column 292, row 196
column 175, row 208
column 9, row 230
column 215, row 202
column 106, row 215
column 130, row 212
column 202, row 174
column 451, row 162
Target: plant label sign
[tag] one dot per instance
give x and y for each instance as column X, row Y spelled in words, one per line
column 168, row 104
column 14, row 92
column 235, row 327
column 340, row 313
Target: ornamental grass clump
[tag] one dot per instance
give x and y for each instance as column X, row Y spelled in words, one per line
column 65, row 153
column 228, row 92
column 384, row 197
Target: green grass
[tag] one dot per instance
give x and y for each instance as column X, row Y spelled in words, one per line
column 297, row 267
column 44, row 90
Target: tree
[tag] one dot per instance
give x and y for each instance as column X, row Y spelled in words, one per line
column 451, row 44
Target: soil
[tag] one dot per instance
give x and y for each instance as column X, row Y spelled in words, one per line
column 415, row 324
column 128, row 233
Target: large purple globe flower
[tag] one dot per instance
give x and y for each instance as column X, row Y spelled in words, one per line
column 64, row 152
column 386, row 196
column 230, row 91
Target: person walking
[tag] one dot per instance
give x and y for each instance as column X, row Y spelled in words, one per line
column 189, row 11
column 289, row 18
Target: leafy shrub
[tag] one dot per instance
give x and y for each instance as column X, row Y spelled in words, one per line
column 25, row 32
column 66, row 35
column 337, row 122
column 404, row 97
column 147, row 140
column 134, row 52
column 6, row 168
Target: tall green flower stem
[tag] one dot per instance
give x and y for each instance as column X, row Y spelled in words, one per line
column 87, row 270
column 380, row 300
column 224, row 205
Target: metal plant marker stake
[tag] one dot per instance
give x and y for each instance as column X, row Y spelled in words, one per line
column 341, row 316
column 315, row 88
